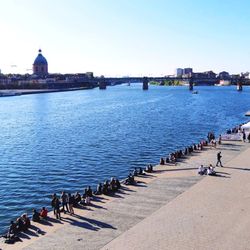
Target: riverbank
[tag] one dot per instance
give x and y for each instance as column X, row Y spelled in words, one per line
column 213, row 214
column 169, row 207
column 17, row 92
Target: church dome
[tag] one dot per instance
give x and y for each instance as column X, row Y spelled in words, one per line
column 40, row 59
column 40, row 65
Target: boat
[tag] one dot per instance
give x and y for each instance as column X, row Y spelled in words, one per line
column 239, row 87
column 247, row 113
column 246, row 127
column 223, row 83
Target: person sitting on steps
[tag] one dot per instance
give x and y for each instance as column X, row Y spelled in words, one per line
column 35, row 216
column 44, row 213
column 162, row 161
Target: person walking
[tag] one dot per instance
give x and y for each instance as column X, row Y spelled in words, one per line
column 243, row 135
column 219, row 159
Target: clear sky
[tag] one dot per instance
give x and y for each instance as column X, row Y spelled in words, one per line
column 125, row 37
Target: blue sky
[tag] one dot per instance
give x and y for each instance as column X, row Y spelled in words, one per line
column 132, row 37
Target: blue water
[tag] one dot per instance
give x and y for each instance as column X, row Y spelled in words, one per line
column 66, row 141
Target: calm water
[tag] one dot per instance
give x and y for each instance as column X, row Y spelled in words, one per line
column 65, row 141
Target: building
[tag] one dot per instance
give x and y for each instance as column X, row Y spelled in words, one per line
column 204, row 75
column 89, row 75
column 187, row 71
column 210, row 74
column 199, row 75
column 224, row 75
column 40, row 65
column 179, row 72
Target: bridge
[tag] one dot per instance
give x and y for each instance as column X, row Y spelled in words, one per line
column 191, row 81
column 103, row 82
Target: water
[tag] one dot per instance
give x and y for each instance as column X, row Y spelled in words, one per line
column 66, row 141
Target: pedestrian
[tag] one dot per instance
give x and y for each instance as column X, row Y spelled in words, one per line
column 57, row 208
column 219, row 159
column 64, row 199
column 53, row 205
column 248, row 137
column 219, row 140
column 243, row 135
column 209, row 137
column 71, row 204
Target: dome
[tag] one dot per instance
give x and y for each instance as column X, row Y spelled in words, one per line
column 40, row 59
column 40, row 65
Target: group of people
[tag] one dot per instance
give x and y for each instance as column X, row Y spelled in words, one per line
column 239, row 129
column 108, row 187
column 67, row 201
column 235, row 130
column 210, row 136
column 23, row 223
column 210, row 169
column 245, row 137
column 130, row 180
column 211, row 139
column 206, row 170
column 173, row 157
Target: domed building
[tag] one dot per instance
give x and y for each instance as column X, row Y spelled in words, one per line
column 40, row 65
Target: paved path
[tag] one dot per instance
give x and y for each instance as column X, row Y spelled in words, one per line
column 214, row 214
column 102, row 226
column 158, row 213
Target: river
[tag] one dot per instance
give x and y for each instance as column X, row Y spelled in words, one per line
column 68, row 140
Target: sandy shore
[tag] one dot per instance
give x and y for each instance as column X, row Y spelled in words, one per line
column 172, row 208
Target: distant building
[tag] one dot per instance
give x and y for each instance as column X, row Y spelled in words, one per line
column 204, row 75
column 187, row 71
column 210, row 74
column 198, row 75
column 235, row 76
column 40, row 65
column 90, row 75
column 179, row 72
column 224, row 75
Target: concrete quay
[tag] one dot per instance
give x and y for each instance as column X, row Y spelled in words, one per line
column 172, row 208
column 18, row 92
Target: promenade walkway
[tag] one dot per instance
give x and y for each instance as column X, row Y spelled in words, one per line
column 172, row 208
column 213, row 214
